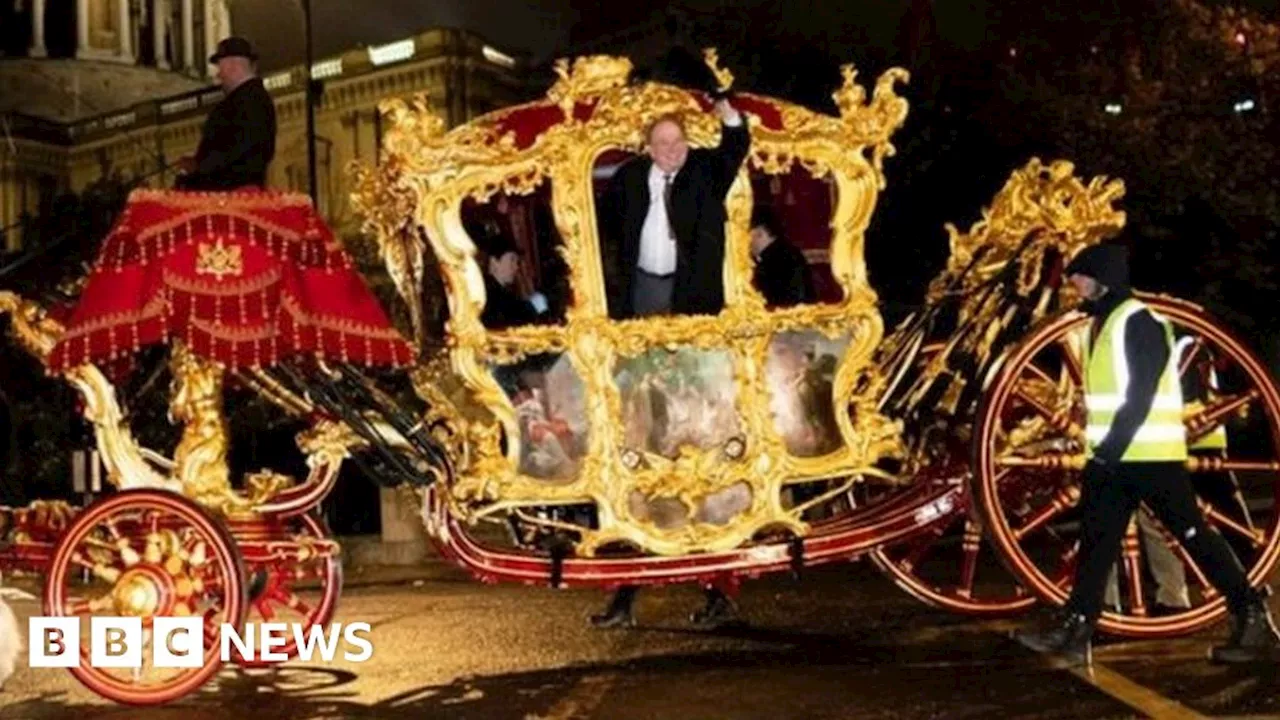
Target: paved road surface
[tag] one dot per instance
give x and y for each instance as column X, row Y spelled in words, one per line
column 844, row 643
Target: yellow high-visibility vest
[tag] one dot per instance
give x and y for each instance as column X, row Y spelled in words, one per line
column 1162, row 436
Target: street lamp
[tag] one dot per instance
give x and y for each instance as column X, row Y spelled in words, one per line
column 311, row 111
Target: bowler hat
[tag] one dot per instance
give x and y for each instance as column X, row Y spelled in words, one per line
column 233, row 47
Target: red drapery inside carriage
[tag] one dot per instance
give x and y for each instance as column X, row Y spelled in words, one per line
column 245, row 279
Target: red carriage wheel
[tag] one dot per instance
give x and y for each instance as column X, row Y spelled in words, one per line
column 299, row 577
column 1030, row 433
column 147, row 553
column 948, row 563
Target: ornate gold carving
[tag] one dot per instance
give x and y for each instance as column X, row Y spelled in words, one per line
column 201, row 455
column 434, row 172
column 1045, row 199
column 219, row 260
column 263, row 486
column 31, row 326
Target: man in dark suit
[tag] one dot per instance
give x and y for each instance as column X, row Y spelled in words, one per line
column 239, row 136
column 665, row 213
column 782, row 273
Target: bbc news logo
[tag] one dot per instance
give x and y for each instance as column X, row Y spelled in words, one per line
column 179, row 642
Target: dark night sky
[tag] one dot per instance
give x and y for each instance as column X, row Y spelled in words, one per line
column 543, row 28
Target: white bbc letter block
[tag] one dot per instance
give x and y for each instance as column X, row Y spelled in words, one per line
column 178, row 642
column 116, row 642
column 54, row 642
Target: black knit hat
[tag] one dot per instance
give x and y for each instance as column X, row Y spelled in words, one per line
column 1107, row 263
column 764, row 217
column 495, row 244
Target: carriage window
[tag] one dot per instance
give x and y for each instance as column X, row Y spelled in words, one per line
column 791, row 237
column 526, row 279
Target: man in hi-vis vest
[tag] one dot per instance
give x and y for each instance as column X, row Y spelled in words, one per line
column 1136, row 447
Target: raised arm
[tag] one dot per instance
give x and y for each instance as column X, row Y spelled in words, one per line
column 735, row 142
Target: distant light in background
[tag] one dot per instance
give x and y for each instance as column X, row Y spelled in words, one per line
column 1241, row 38
column 1114, row 108
column 392, row 52
column 1093, row 49
column 278, row 80
column 1013, row 52
column 326, row 68
column 498, row 58
column 1244, row 105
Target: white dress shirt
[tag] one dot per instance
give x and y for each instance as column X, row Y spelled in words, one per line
column 657, row 243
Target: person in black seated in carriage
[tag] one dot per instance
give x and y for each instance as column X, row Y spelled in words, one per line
column 782, row 274
column 504, row 307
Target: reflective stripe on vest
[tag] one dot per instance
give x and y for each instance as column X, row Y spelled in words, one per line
column 1216, row 439
column 1161, row 436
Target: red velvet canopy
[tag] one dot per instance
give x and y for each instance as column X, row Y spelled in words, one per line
column 245, row 278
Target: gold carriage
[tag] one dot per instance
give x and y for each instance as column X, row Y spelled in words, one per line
column 586, row 450
column 783, row 436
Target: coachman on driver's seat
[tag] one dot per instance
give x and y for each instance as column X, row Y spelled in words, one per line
column 238, row 140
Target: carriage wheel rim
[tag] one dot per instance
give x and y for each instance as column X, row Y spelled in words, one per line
column 1192, row 319
column 331, row 589
column 225, row 555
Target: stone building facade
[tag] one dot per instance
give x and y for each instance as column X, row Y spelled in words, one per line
column 65, row 123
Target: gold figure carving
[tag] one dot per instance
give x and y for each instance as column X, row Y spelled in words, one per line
column 201, row 456
column 432, row 172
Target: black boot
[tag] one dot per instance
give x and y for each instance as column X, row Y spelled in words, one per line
column 1254, row 637
column 1068, row 636
column 619, row 612
column 718, row 612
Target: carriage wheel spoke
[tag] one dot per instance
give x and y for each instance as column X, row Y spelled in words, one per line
column 1064, row 499
column 1215, row 413
column 970, row 545
column 917, row 549
column 1216, row 517
column 1072, row 365
column 296, row 604
column 1059, row 420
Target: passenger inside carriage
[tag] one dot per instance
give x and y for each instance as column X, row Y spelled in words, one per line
column 504, row 307
column 782, row 273
column 662, row 218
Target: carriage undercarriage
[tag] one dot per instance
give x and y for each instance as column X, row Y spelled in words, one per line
column 955, row 438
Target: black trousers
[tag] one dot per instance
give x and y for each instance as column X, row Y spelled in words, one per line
column 1108, row 501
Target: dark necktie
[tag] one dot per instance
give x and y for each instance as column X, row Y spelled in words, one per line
column 666, row 202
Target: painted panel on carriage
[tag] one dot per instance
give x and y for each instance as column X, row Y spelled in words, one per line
column 800, row 370
column 670, row 513
column 671, row 399
column 550, row 401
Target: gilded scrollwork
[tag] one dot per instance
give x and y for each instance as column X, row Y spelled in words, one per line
column 1049, row 200
column 434, row 172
